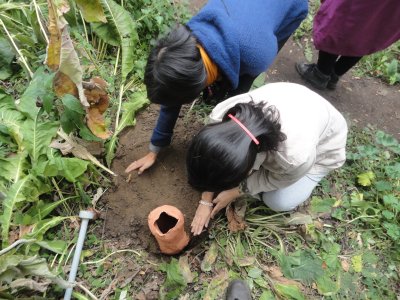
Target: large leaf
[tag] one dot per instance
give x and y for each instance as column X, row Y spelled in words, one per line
column 39, row 89
column 70, row 168
column 13, row 167
column 120, row 30
column 13, row 196
column 6, row 57
column 41, row 227
column 37, row 137
column 136, row 102
column 92, row 10
column 11, row 119
column 54, row 46
column 174, row 282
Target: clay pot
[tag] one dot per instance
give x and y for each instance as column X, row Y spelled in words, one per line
column 166, row 223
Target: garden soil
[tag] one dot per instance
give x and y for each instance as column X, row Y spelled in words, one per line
column 127, row 204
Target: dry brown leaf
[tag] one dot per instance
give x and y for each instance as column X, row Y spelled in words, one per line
column 276, row 274
column 70, row 146
column 23, row 229
column 62, row 85
column 235, row 215
column 54, row 46
column 345, row 265
column 96, row 123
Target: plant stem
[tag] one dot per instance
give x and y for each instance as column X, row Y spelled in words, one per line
column 116, row 62
column 115, row 252
column 121, row 92
column 24, row 62
column 89, row 293
column 15, row 244
column 40, row 22
column 84, row 27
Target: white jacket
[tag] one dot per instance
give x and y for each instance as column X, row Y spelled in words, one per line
column 316, row 135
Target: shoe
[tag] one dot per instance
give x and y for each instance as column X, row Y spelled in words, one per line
column 333, row 81
column 313, row 75
column 238, row 290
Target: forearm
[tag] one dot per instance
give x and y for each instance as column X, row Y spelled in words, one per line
column 162, row 133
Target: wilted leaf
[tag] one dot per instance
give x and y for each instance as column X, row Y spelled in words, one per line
column 276, row 274
column 96, row 124
column 185, row 269
column 30, row 284
column 365, row 179
column 217, row 286
column 92, row 10
column 298, row 218
column 54, row 46
column 41, row 227
column 71, row 146
column 63, row 85
column 209, row 257
column 345, row 265
column 235, row 215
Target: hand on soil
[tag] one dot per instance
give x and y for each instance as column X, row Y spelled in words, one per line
column 223, row 199
column 142, row 164
column 202, row 215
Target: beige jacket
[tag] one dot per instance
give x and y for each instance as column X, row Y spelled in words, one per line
column 316, row 135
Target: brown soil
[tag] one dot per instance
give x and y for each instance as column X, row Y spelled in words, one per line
column 363, row 100
column 129, row 203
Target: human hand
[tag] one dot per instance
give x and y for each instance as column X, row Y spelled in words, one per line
column 202, row 215
column 142, row 164
column 223, row 199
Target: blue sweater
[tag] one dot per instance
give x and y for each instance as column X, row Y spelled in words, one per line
column 241, row 37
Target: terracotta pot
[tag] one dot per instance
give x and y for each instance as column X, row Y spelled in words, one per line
column 166, row 223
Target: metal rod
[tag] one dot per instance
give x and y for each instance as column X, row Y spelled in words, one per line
column 85, row 215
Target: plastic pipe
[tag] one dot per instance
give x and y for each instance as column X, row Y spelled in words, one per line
column 85, row 215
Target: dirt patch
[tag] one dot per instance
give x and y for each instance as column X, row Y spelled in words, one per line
column 129, row 203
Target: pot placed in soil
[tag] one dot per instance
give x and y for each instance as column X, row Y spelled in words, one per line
column 167, row 224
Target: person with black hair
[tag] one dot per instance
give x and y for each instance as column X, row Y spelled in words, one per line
column 220, row 51
column 277, row 142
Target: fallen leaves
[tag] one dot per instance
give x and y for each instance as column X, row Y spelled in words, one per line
column 235, row 213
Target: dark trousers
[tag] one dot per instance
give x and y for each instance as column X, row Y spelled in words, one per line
column 331, row 63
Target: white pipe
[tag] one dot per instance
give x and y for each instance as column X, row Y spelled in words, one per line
column 85, row 215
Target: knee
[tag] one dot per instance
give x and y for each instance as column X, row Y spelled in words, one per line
column 278, row 203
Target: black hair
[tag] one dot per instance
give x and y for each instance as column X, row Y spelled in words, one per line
column 175, row 73
column 221, row 155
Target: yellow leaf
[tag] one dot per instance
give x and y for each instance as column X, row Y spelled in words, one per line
column 356, row 262
column 54, row 46
column 365, row 179
column 92, row 10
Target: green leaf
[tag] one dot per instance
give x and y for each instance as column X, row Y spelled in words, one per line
column 383, row 186
column 129, row 109
column 11, row 119
column 393, row 171
column 37, row 137
column 41, row 227
column 254, row 273
column 14, row 167
column 327, row 286
column 120, row 30
column 259, row 81
column 40, row 88
column 209, row 257
column 6, row 57
column 70, row 168
column 267, row 295
column 319, row 205
column 92, row 10
column 365, row 179
column 388, row 214
column 56, row 246
column 174, row 283
column 289, row 291
column 393, row 230
column 391, row 201
column 217, row 286
column 13, row 196
column 41, row 209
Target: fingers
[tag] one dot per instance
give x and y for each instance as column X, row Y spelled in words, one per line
column 131, row 167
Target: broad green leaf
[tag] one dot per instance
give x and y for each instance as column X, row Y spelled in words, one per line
column 37, row 137
column 137, row 101
column 393, row 230
column 387, row 214
column 92, row 10
column 392, row 201
column 6, row 57
column 326, row 286
column 357, row 263
column 39, row 89
column 267, row 295
column 209, row 258
column 41, row 227
column 383, row 186
column 14, row 167
column 57, row 246
column 319, row 205
column 13, row 196
column 70, row 168
column 254, row 273
column 174, row 282
column 289, row 291
column 41, row 209
column 120, row 30
column 365, row 179
column 393, row 171
column 11, row 119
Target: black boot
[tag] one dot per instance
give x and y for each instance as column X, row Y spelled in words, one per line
column 333, row 81
column 313, row 75
column 237, row 290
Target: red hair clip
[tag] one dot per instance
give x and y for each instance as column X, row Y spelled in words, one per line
column 245, row 129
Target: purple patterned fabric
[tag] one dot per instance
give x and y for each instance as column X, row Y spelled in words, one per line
column 356, row 27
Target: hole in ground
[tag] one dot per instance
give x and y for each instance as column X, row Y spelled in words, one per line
column 165, row 222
